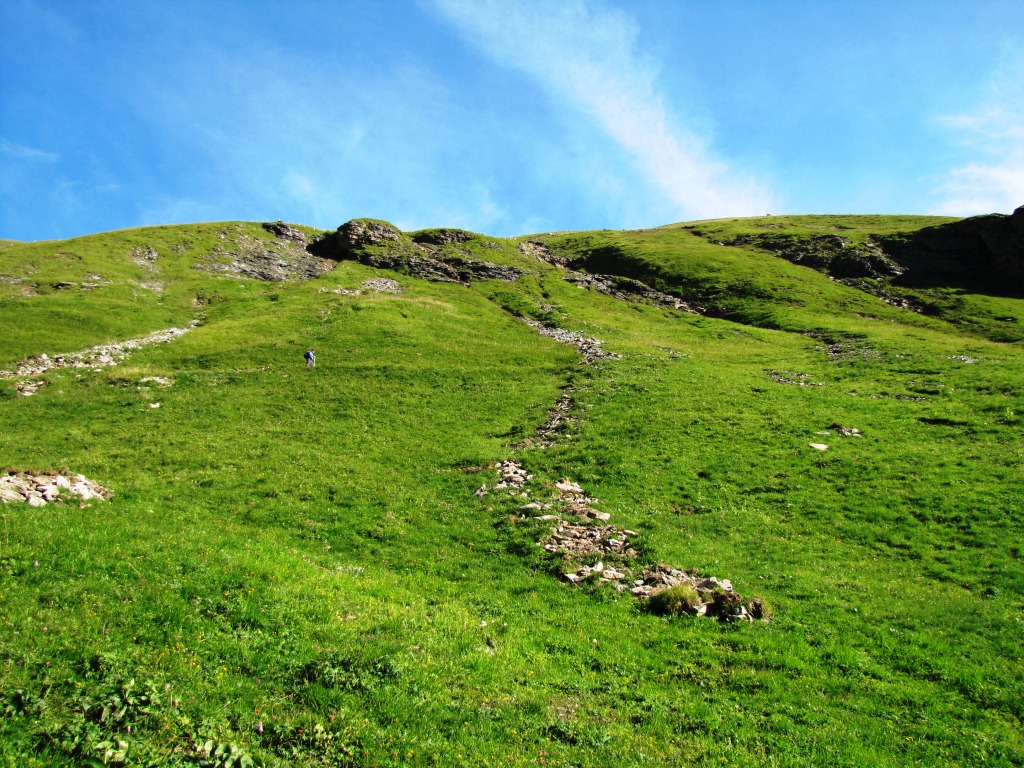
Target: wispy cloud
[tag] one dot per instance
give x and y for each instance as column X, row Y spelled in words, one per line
column 587, row 55
column 994, row 135
column 29, row 154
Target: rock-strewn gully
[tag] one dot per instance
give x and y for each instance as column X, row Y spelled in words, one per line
column 38, row 490
column 94, row 358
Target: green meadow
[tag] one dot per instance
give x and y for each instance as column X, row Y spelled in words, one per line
column 293, row 568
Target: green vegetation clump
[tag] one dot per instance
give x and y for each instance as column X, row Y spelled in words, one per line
column 677, row 600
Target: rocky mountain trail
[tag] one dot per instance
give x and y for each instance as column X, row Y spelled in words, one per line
column 40, row 489
column 93, row 358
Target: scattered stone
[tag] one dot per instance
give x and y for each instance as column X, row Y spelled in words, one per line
column 582, row 540
column 796, row 379
column 374, row 285
column 28, row 388
column 481, row 491
column 38, row 490
column 160, row 381
column 557, row 422
column 94, row 358
column 381, row 245
column 513, row 475
column 846, row 431
column 834, row 255
column 381, row 285
column 844, row 348
column 144, row 257
column 590, row 348
column 819, row 446
column 628, row 289
column 964, row 359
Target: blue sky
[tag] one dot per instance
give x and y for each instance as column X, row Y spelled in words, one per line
column 503, row 116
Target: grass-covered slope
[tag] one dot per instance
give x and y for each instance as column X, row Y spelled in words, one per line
column 294, row 565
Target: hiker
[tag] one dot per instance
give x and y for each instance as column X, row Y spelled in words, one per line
column 311, row 358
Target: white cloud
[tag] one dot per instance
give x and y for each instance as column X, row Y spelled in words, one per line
column 993, row 135
column 587, row 55
column 29, row 154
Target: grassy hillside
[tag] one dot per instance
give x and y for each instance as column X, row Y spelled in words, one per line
column 294, row 569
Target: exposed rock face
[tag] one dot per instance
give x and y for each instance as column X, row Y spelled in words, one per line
column 359, row 233
column 985, row 249
column 541, row 252
column 243, row 255
column 286, row 232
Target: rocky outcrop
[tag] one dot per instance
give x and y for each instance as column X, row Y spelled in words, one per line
column 442, row 236
column 382, row 246
column 986, row 250
column 628, row 289
column 279, row 260
column 834, row 255
column 353, row 235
